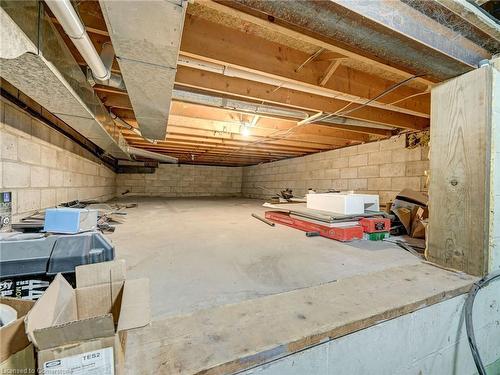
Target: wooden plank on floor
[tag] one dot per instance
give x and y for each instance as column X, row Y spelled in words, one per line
column 460, row 172
column 235, row 337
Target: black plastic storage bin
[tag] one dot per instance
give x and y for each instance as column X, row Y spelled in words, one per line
column 28, row 265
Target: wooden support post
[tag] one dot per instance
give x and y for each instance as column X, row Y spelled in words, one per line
column 464, row 224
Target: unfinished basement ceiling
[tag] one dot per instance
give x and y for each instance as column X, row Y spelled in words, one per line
column 250, row 72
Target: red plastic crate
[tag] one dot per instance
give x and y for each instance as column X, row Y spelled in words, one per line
column 347, row 233
column 375, row 224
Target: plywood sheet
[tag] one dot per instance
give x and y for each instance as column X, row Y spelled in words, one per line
column 234, row 337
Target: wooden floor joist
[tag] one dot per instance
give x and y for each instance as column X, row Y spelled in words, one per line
column 216, row 83
column 213, row 42
column 339, row 85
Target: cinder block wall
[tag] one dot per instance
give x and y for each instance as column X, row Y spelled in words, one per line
column 171, row 180
column 42, row 168
column 383, row 168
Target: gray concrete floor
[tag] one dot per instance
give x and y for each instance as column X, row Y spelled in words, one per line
column 204, row 252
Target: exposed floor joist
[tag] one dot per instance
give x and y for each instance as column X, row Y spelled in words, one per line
column 231, row 51
column 212, row 42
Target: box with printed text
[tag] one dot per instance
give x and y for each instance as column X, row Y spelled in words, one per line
column 83, row 331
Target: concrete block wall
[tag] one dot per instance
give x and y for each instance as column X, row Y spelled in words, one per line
column 171, row 180
column 42, row 168
column 385, row 168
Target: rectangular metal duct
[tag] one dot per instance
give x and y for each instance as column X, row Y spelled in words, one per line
column 35, row 59
column 146, row 36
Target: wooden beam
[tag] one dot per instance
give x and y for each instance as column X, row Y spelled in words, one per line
column 213, row 113
column 265, row 127
column 175, row 144
column 204, row 136
column 208, row 151
column 92, row 18
column 116, row 99
column 463, row 187
column 256, row 135
column 114, row 102
column 232, row 144
column 216, row 43
column 230, row 130
column 242, row 88
column 350, row 81
column 270, row 25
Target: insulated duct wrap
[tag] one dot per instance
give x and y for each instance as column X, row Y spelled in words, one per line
column 35, row 59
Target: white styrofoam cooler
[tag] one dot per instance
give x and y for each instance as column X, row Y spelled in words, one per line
column 345, row 204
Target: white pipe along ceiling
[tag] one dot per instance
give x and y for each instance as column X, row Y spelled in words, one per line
column 73, row 27
column 230, row 71
column 68, row 100
column 44, row 69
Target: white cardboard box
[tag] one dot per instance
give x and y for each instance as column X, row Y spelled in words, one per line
column 345, row 204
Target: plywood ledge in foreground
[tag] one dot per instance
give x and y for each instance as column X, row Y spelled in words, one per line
column 231, row 338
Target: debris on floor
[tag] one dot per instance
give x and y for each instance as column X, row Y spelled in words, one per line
column 284, row 196
column 340, row 231
column 347, row 216
column 410, row 209
column 339, row 216
column 56, row 240
column 107, row 216
column 264, row 220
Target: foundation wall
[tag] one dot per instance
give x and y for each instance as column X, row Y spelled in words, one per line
column 42, row 168
column 383, row 168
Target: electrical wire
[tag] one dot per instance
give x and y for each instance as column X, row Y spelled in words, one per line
column 383, row 93
column 337, row 113
column 469, row 304
column 310, row 58
column 411, row 96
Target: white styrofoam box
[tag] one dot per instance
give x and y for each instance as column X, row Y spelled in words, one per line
column 345, row 204
column 70, row 220
column 371, row 202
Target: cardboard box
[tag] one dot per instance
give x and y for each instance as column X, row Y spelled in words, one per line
column 83, row 330
column 410, row 207
column 16, row 352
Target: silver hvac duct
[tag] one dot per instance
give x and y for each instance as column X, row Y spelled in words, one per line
column 35, row 59
column 263, row 109
column 151, row 155
column 146, row 36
